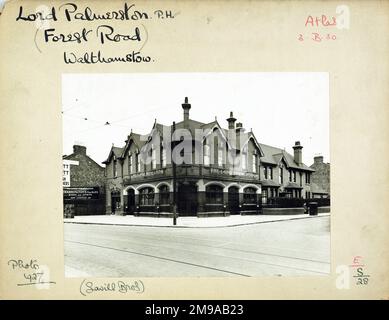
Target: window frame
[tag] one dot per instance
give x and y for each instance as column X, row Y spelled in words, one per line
column 214, row 194
column 249, row 197
column 146, row 198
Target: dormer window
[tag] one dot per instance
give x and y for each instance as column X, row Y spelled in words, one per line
column 115, row 172
column 281, row 176
column 220, row 157
column 153, row 158
column 207, row 154
column 255, row 164
column 163, row 157
column 137, row 159
column 130, row 169
column 244, row 161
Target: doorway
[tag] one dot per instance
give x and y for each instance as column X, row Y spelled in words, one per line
column 187, row 199
column 130, row 201
column 115, row 201
column 233, row 200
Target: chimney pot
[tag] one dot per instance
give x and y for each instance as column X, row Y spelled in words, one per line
column 298, row 154
column 186, row 106
column 231, row 121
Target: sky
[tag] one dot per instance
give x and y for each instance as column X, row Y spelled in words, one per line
column 280, row 108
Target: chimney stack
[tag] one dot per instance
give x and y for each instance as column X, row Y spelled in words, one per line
column 239, row 127
column 186, row 106
column 231, row 121
column 298, row 153
column 318, row 159
column 77, row 149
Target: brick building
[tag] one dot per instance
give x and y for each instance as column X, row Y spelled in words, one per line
column 83, row 183
column 221, row 172
column 320, row 178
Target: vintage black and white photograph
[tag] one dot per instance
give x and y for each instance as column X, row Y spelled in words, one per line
column 196, row 174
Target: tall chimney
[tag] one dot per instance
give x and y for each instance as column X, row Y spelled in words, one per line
column 298, row 153
column 186, row 106
column 231, row 121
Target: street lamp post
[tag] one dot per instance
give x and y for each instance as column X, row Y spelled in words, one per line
column 174, row 179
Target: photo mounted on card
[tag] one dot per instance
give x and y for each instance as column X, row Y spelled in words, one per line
column 193, row 150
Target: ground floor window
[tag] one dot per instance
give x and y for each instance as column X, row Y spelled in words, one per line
column 164, row 194
column 250, row 195
column 264, row 196
column 214, row 194
column 146, row 196
column 296, row 193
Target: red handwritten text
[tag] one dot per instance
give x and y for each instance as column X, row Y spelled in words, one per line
column 322, row 21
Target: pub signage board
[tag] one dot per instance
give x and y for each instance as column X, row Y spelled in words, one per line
column 87, row 193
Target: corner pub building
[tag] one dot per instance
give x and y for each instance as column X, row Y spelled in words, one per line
column 141, row 175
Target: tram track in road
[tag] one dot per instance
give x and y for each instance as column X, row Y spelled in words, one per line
column 204, row 266
column 216, row 246
column 161, row 258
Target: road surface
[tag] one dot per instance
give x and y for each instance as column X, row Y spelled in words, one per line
column 283, row 248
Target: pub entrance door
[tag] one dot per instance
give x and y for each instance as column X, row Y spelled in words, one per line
column 130, row 201
column 233, row 200
column 187, row 199
column 115, row 201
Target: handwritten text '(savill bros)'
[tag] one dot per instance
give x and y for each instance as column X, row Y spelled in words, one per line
column 105, row 33
column 88, row 287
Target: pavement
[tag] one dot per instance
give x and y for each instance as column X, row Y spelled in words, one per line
column 292, row 247
column 187, row 222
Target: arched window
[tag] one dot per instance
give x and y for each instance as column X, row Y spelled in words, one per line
column 146, row 196
column 250, row 195
column 164, row 194
column 214, row 194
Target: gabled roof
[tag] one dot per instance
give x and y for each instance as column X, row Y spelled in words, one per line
column 273, row 155
column 115, row 151
column 71, row 157
column 192, row 125
column 136, row 138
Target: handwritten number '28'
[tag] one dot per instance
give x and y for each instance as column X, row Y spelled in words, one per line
column 362, row 281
